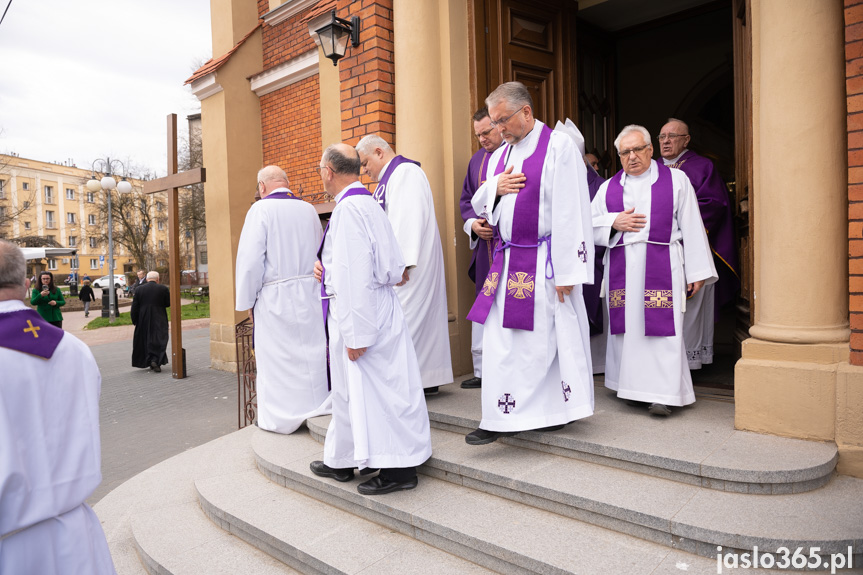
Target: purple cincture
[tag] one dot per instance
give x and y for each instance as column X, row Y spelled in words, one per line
column 520, row 282
column 25, row 331
column 380, row 194
column 658, row 287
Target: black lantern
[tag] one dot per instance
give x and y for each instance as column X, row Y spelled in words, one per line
column 334, row 37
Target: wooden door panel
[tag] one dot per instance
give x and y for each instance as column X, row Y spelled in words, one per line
column 539, row 83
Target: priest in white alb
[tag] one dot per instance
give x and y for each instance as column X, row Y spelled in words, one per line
column 275, row 282
column 380, row 420
column 647, row 215
column 537, row 372
column 50, row 457
column 404, row 193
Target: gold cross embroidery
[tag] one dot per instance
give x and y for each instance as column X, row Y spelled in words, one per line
column 518, row 284
column 657, row 299
column 490, row 285
column 617, row 298
column 32, row 328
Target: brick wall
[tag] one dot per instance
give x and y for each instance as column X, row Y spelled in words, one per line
column 366, row 74
column 285, row 40
column 854, row 90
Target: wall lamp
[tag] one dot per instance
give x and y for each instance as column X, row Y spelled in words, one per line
column 334, row 37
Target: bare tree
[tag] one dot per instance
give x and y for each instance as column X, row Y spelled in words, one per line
column 193, row 222
column 9, row 212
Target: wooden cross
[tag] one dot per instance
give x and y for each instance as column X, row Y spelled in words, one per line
column 169, row 184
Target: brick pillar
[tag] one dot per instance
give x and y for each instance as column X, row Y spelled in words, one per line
column 854, row 98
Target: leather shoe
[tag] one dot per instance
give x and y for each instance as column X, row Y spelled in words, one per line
column 155, row 367
column 659, row 409
column 484, row 436
column 472, row 383
column 379, row 486
column 320, row 469
column 431, row 390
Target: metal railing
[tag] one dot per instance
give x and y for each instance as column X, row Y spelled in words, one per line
column 247, row 397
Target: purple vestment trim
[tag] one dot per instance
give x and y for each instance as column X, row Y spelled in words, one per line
column 483, row 253
column 591, row 292
column 25, row 331
column 325, row 299
column 658, row 287
column 280, row 196
column 380, row 194
column 520, row 282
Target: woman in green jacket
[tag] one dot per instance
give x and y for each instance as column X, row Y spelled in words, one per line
column 49, row 301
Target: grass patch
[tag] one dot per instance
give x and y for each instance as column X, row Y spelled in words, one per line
column 188, row 311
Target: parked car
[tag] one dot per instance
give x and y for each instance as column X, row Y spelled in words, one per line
column 104, row 281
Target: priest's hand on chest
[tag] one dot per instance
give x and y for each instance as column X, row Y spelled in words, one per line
column 509, row 183
column 628, row 221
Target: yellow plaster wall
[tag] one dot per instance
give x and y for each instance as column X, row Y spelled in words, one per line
column 230, row 21
column 330, row 99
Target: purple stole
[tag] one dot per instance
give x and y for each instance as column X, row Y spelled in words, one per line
column 281, row 196
column 25, row 331
column 658, row 288
column 325, row 299
column 380, row 194
column 520, row 284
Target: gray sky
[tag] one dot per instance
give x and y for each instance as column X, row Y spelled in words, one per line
column 86, row 79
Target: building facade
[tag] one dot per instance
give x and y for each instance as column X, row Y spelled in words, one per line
column 770, row 91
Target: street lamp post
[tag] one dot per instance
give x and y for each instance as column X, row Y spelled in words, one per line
column 108, row 183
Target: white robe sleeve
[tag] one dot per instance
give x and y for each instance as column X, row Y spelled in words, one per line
column 407, row 188
column 365, row 258
column 468, row 224
column 602, row 219
column 251, row 258
column 697, row 256
column 570, row 214
column 484, row 198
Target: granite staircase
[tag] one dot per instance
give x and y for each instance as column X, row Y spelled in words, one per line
column 617, row 493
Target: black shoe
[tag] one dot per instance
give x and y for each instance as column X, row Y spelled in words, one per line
column 483, row 436
column 472, row 383
column 550, row 428
column 155, row 367
column 431, row 390
column 320, row 469
column 659, row 409
column 379, row 486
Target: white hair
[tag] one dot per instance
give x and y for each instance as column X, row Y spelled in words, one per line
column 152, row 276
column 371, row 142
column 685, row 125
column 513, row 93
column 268, row 173
column 629, row 130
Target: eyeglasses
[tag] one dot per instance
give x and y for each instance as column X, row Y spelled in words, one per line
column 638, row 150
column 663, row 137
column 495, row 124
column 485, row 134
column 320, row 169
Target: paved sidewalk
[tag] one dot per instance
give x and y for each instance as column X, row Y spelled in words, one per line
column 148, row 417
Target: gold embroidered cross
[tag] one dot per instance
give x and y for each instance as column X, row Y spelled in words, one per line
column 490, row 285
column 32, row 328
column 617, row 298
column 518, row 284
column 657, row 299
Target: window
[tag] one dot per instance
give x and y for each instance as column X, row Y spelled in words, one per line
column 52, row 264
column 52, row 238
column 73, row 241
column 203, row 257
column 188, row 234
column 94, row 242
column 74, row 263
column 162, row 263
column 161, row 244
column 161, row 225
column 25, row 186
column 70, row 217
column 2, row 189
column 94, row 263
column 26, row 205
column 70, row 194
column 2, row 211
column 49, row 220
column 143, row 204
column 91, row 219
column 90, row 197
column 160, row 206
column 26, row 225
column 49, row 195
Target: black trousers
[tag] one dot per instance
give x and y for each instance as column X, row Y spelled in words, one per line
column 399, row 474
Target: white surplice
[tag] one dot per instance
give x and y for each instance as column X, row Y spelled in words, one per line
column 50, row 461
column 380, row 418
column 275, row 275
column 540, row 378
column 410, row 209
column 650, row 368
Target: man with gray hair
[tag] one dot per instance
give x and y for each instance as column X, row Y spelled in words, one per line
column 150, row 315
column 404, row 193
column 654, row 262
column 275, row 283
column 49, row 438
column 536, row 352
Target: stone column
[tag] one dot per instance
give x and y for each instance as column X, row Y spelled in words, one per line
column 786, row 380
column 433, row 127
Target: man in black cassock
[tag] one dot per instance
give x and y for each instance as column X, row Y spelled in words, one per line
column 149, row 314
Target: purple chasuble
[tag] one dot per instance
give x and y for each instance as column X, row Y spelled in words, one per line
column 591, row 292
column 380, row 194
column 358, row 190
column 718, row 218
column 518, row 303
column 481, row 257
column 25, row 331
column 658, row 287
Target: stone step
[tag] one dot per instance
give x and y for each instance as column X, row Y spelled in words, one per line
column 666, row 512
column 697, row 444
column 504, row 535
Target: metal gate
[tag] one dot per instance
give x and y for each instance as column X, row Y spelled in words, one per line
column 247, row 397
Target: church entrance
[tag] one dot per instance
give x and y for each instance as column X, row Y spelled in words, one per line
column 609, row 63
